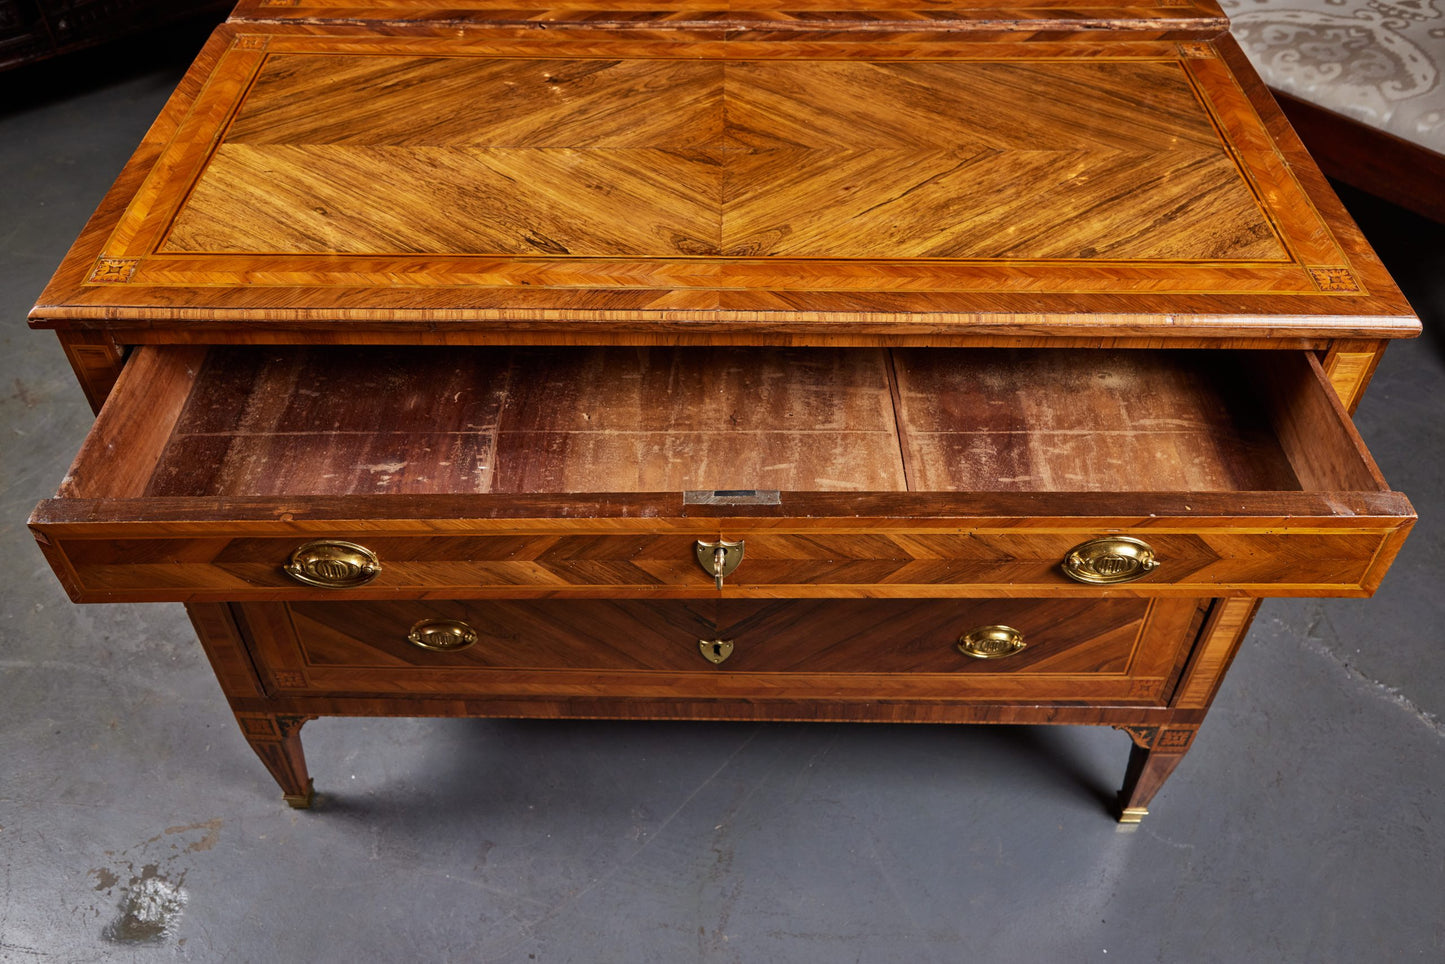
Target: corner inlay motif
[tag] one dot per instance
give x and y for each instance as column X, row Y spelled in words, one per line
column 1334, row 279
column 113, row 270
column 1143, row 736
column 1174, row 740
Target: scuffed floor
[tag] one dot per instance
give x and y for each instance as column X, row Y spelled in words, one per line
column 1307, row 823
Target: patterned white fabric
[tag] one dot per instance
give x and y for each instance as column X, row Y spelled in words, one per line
column 1378, row 61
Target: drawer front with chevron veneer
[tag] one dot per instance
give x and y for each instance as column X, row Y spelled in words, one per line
column 1119, row 650
column 492, row 473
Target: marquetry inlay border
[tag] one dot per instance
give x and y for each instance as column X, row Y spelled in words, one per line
column 120, row 271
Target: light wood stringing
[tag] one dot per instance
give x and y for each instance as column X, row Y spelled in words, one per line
column 1219, row 641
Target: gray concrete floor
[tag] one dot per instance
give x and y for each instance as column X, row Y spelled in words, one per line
column 135, row 824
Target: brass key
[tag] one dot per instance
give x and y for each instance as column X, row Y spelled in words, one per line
column 720, row 558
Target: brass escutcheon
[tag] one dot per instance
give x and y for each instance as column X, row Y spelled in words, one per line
column 442, row 635
column 991, row 642
column 332, row 564
column 719, row 559
column 715, row 651
column 1108, row 560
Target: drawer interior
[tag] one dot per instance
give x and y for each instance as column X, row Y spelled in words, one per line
column 220, row 422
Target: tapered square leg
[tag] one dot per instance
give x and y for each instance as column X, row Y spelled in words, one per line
column 1152, row 758
column 277, row 741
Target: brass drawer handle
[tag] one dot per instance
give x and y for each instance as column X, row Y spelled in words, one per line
column 992, row 642
column 442, row 635
column 1112, row 559
column 719, row 558
column 715, row 651
column 332, row 564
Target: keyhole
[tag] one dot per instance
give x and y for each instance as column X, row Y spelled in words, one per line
column 715, row 651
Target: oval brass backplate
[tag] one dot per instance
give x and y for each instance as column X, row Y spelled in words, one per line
column 715, row 651
column 1111, row 559
column 442, row 635
column 332, row 564
column 991, row 642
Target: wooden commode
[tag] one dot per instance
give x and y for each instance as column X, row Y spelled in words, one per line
column 915, row 364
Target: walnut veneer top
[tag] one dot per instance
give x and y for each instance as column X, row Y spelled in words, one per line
column 632, row 188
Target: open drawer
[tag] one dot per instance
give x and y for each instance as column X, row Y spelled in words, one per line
column 228, row 473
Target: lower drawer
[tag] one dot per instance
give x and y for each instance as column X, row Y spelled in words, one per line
column 1120, row 650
